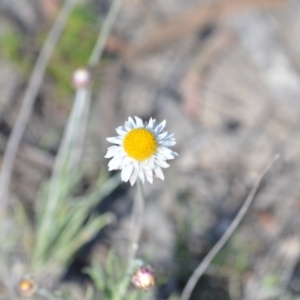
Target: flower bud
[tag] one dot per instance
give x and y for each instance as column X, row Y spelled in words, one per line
column 81, row 78
column 26, row 287
column 143, row 278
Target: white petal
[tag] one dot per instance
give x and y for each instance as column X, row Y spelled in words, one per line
column 139, row 122
column 115, row 140
column 133, row 177
column 115, row 163
column 159, row 173
column 162, row 163
column 135, row 164
column 120, row 130
column 149, row 176
column 167, row 143
column 170, row 135
column 174, row 153
column 148, row 164
column 141, row 175
column 145, row 166
column 162, row 135
column 131, row 122
column 151, row 123
column 111, row 151
column 122, row 152
column 159, row 156
column 167, row 153
column 160, row 127
column 126, row 172
column 126, row 161
column 127, row 126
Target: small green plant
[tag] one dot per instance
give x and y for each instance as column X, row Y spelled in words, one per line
column 65, row 221
column 72, row 222
column 110, row 277
column 64, row 294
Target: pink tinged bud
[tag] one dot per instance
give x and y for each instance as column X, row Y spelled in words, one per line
column 81, row 78
column 143, row 278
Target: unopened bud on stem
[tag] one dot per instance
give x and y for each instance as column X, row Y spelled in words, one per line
column 143, row 278
column 81, row 78
column 26, row 287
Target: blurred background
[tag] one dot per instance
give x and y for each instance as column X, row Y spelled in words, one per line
column 225, row 74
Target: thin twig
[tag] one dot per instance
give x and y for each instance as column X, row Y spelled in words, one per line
column 28, row 101
column 228, row 233
column 104, row 33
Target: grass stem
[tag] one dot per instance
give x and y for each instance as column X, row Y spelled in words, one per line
column 223, row 240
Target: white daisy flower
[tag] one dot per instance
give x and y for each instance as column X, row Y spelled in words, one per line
column 141, row 150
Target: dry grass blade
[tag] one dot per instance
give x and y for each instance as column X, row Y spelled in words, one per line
column 28, row 101
column 104, row 33
column 192, row 21
column 220, row 244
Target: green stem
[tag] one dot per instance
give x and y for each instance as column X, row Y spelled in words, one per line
column 136, row 228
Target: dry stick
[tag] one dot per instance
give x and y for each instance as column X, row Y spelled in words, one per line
column 28, row 101
column 219, row 245
column 104, row 33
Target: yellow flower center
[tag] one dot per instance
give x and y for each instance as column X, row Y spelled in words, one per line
column 140, row 144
